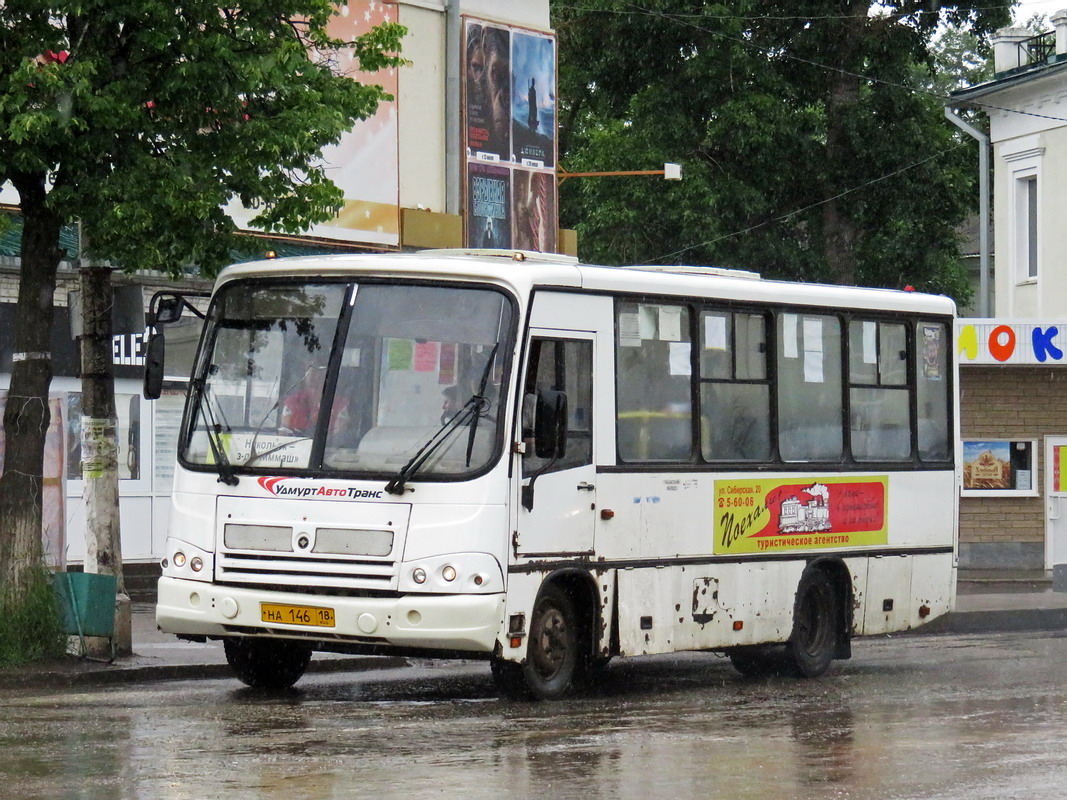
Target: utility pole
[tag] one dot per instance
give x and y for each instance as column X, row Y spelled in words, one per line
column 103, row 546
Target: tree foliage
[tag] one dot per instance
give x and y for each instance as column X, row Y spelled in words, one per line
column 141, row 119
column 812, row 138
column 148, row 116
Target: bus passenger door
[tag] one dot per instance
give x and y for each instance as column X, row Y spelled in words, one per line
column 563, row 494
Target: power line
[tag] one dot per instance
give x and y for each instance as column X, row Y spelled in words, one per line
column 812, row 205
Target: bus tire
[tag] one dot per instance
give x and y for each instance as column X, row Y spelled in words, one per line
column 266, row 663
column 555, row 663
column 813, row 643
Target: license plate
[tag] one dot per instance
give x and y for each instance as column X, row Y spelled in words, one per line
column 315, row 616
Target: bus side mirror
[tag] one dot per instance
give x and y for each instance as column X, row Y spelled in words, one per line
column 550, row 426
column 167, row 309
column 153, row 366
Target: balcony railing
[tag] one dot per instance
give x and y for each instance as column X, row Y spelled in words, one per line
column 1037, row 49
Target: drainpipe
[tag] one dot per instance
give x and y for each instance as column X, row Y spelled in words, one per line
column 453, row 139
column 983, row 208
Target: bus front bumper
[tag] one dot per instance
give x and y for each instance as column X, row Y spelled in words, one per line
column 469, row 622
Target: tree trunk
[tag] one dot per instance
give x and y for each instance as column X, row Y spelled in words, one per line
column 100, row 469
column 840, row 235
column 26, row 414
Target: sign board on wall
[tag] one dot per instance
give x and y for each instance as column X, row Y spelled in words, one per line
column 984, row 342
column 365, row 162
column 509, row 131
column 999, row 467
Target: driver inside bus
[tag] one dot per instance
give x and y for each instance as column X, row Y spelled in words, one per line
column 300, row 408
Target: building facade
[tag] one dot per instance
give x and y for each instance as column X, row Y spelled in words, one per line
column 1013, row 369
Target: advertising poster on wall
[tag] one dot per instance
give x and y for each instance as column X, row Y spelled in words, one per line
column 998, row 467
column 533, row 99
column 509, row 126
column 365, row 162
column 488, row 206
column 488, row 91
column 534, row 215
column 773, row 516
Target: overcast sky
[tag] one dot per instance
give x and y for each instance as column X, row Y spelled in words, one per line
column 1027, row 8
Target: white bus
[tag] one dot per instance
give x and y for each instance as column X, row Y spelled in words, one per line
column 518, row 457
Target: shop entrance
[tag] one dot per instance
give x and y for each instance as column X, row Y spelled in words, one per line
column 1056, row 509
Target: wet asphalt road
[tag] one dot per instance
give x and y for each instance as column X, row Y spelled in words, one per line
column 914, row 717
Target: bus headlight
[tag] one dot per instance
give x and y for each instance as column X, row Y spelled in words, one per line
column 187, row 561
column 477, row 573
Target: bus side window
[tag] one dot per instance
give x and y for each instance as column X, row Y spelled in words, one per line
column 878, row 394
column 734, row 387
column 810, row 401
column 932, row 379
column 564, row 365
column 653, row 357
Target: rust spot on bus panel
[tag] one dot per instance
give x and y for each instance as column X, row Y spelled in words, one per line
column 701, row 613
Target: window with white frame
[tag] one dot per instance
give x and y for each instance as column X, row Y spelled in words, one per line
column 1026, row 227
column 1023, row 157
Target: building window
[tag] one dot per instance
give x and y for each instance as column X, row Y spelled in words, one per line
column 1026, row 228
column 1031, row 227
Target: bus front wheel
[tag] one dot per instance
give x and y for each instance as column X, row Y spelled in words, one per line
column 266, row 663
column 813, row 643
column 554, row 662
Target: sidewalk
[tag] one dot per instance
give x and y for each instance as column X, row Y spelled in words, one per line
column 986, row 602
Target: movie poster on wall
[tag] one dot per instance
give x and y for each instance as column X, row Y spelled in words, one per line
column 509, row 123
column 488, row 92
column 533, row 99
column 534, row 210
column 488, row 206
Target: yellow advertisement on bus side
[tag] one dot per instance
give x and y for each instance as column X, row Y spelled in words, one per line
column 757, row 515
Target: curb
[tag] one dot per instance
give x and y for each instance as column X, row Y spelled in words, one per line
column 83, row 673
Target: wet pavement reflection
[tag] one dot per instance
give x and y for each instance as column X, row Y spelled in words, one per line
column 914, row 717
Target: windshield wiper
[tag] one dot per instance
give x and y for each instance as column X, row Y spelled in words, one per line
column 485, row 403
column 214, row 438
column 473, row 406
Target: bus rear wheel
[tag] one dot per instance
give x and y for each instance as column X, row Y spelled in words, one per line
column 555, row 662
column 267, row 663
column 813, row 643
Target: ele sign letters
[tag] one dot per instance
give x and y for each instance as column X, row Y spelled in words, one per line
column 992, row 341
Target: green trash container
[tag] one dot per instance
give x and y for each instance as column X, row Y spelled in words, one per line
column 86, row 603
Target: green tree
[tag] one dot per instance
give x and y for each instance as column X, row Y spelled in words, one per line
column 813, row 146
column 141, row 119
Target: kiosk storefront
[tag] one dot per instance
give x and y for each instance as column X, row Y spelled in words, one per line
column 1013, row 418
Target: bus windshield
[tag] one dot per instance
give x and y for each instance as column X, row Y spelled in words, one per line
column 338, row 377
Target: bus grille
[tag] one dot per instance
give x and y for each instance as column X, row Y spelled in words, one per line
column 336, row 573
